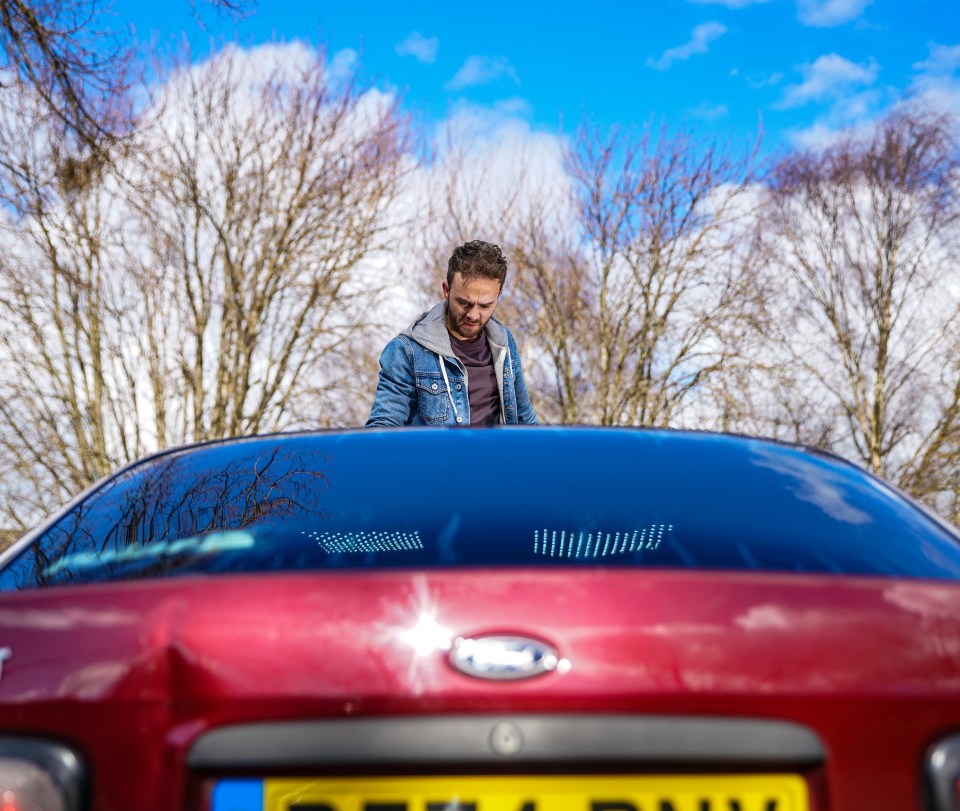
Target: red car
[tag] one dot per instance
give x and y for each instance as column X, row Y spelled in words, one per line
column 511, row 619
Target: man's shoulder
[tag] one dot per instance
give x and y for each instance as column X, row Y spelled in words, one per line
column 429, row 330
column 413, row 345
column 396, row 347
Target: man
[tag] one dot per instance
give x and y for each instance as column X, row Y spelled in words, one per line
column 456, row 364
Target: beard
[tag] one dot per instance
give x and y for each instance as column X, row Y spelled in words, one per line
column 462, row 327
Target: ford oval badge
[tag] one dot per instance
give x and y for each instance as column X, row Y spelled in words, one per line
column 504, row 658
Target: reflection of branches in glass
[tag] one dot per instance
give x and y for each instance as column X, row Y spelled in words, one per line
column 181, row 496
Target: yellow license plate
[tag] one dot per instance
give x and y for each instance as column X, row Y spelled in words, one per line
column 775, row 792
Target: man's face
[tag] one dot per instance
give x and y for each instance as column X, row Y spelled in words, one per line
column 470, row 303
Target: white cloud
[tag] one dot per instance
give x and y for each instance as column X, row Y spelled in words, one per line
column 827, row 13
column 478, row 70
column 828, row 78
column 849, row 101
column 709, row 112
column 344, row 63
column 758, row 81
column 855, row 117
column 489, row 123
column 859, row 107
column 943, row 59
column 728, row 3
column 936, row 84
column 259, row 64
column 699, row 43
column 943, row 96
column 421, row 48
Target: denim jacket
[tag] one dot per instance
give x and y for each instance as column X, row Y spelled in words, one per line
column 422, row 382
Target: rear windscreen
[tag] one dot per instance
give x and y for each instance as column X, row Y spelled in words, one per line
column 500, row 497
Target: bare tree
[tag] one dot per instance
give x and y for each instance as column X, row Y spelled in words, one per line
column 643, row 302
column 70, row 53
column 261, row 205
column 63, row 404
column 862, row 238
column 218, row 283
column 630, row 284
column 70, row 57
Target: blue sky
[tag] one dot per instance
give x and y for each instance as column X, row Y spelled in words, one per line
column 805, row 68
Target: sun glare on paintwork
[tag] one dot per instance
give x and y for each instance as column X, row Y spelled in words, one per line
column 427, row 636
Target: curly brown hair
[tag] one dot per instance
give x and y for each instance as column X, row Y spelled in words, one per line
column 478, row 258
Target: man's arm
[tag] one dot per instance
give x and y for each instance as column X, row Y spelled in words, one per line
column 396, row 400
column 525, row 412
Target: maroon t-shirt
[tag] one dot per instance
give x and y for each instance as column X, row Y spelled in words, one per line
column 481, row 379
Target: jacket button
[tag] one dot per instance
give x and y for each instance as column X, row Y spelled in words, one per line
column 434, row 387
column 459, row 419
column 459, row 387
